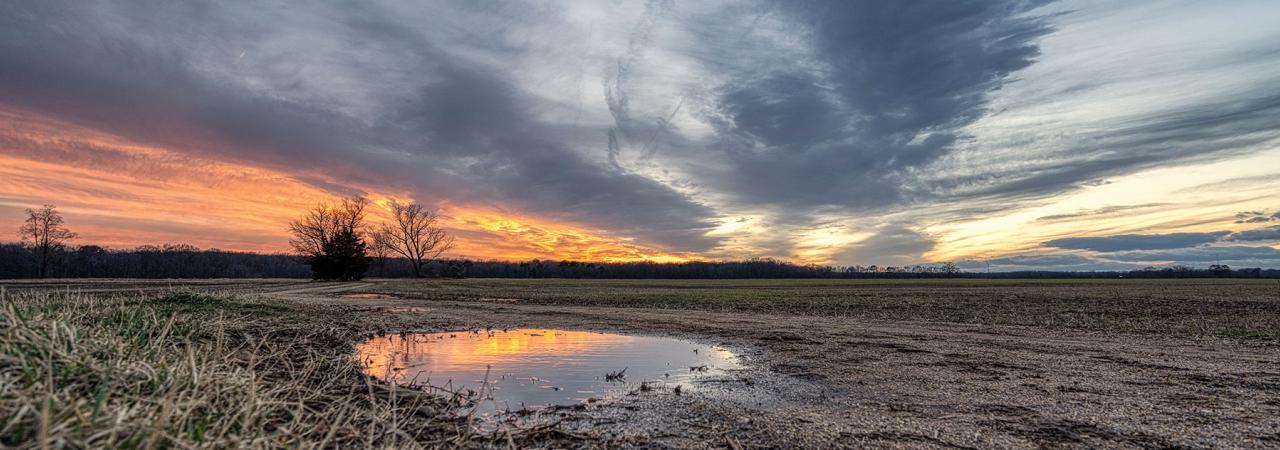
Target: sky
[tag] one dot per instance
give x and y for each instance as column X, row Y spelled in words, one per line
column 1009, row 135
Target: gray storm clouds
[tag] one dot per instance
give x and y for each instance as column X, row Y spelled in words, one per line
column 1240, row 248
column 651, row 120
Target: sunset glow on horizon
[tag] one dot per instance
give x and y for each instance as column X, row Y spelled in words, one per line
column 120, row 194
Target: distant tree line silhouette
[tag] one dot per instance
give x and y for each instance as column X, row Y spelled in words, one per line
column 333, row 243
column 168, row 261
column 186, row 261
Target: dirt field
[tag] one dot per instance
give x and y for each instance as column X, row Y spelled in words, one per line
column 969, row 364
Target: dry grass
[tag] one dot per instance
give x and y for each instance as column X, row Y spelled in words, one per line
column 184, row 370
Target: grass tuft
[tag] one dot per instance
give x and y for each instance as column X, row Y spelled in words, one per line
column 188, row 298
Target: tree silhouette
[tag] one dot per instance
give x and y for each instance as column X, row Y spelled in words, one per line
column 44, row 232
column 331, row 238
column 414, row 234
column 344, row 258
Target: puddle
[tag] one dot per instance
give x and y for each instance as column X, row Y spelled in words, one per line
column 368, row 296
column 534, row 368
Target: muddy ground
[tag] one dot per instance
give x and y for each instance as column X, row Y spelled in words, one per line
column 826, row 381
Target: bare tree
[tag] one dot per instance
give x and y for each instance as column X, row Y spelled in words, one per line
column 415, row 233
column 323, row 223
column 331, row 237
column 44, row 232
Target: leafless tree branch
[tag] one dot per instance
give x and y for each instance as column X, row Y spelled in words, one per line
column 44, row 231
column 414, row 234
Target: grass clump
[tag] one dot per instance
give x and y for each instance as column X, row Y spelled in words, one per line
column 188, row 370
column 187, row 298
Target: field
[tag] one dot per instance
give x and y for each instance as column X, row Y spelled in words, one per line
column 1180, row 307
column 832, row 363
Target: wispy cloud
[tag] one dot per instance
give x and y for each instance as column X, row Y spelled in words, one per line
column 1137, row 241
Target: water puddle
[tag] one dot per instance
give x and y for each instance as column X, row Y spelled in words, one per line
column 368, row 296
column 529, row 369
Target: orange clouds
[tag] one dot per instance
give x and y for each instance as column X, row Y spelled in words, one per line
column 119, row 193
column 486, row 232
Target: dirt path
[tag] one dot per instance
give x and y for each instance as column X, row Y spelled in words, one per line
column 835, row 382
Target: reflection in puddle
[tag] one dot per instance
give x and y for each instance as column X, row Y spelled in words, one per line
column 531, row 368
column 368, row 296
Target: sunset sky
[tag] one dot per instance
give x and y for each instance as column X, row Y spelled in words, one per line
column 1076, row 135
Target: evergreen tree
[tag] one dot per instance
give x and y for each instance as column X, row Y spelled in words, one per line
column 344, row 258
column 331, row 240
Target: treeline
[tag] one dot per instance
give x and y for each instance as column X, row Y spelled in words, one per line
column 754, row 268
column 769, row 268
column 1253, row 272
column 169, row 261
column 185, row 261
